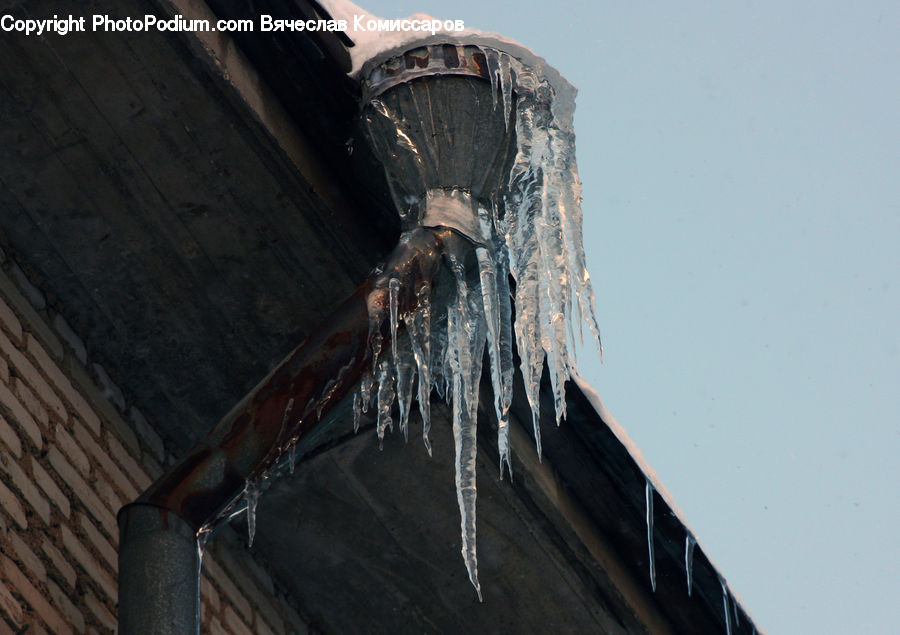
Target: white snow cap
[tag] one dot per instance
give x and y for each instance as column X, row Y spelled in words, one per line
column 375, row 46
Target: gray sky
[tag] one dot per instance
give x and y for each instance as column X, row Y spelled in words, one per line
column 740, row 165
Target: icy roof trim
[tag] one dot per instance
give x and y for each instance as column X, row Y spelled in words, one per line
column 631, row 447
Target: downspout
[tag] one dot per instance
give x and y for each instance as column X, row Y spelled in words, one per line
column 159, row 559
column 443, row 199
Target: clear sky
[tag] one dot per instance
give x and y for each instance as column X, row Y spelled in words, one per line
column 741, row 169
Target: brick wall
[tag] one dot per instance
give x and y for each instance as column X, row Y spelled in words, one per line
column 72, row 452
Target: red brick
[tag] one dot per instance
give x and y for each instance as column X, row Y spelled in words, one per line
column 20, row 416
column 10, row 606
column 253, row 581
column 235, row 624
column 105, row 463
column 10, row 438
column 9, row 321
column 209, row 593
column 93, row 568
column 26, row 487
column 66, row 389
column 61, row 601
column 10, row 502
column 30, row 401
column 215, row 627
column 30, row 375
column 223, row 581
column 35, row 598
column 59, row 561
column 239, row 563
column 75, row 453
column 100, row 543
column 204, row 614
column 46, row 483
column 83, row 491
column 99, row 609
column 109, row 495
column 27, row 557
column 137, row 473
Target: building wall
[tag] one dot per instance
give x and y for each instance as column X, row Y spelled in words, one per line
column 72, row 452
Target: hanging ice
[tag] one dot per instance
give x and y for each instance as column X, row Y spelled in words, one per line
column 734, row 607
column 648, row 494
column 251, row 495
column 725, row 605
column 526, row 231
column 689, row 543
column 385, row 399
column 418, row 327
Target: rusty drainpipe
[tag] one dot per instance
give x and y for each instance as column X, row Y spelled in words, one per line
column 159, row 559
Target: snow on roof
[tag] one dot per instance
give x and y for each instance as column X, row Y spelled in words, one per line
column 373, row 46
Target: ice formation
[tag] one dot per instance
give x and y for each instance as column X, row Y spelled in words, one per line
column 725, row 606
column 651, row 558
column 689, row 543
column 530, row 232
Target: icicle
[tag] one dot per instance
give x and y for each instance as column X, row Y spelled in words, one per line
column 544, row 238
column 357, row 408
column 464, row 356
column 648, row 494
column 488, row 274
column 366, row 388
column 507, row 369
column 506, row 87
column 406, row 373
column 445, row 373
column 493, row 64
column 524, row 252
column 394, row 292
column 689, row 543
column 251, row 495
column 419, row 328
column 376, row 340
column 291, row 444
column 292, row 456
column 725, row 606
column 385, row 400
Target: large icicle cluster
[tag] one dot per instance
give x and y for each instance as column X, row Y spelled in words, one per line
column 532, row 232
column 543, row 234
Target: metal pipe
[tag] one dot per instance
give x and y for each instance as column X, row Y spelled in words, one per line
column 159, row 572
column 159, row 561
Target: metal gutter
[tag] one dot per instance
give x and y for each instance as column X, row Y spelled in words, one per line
column 159, row 556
